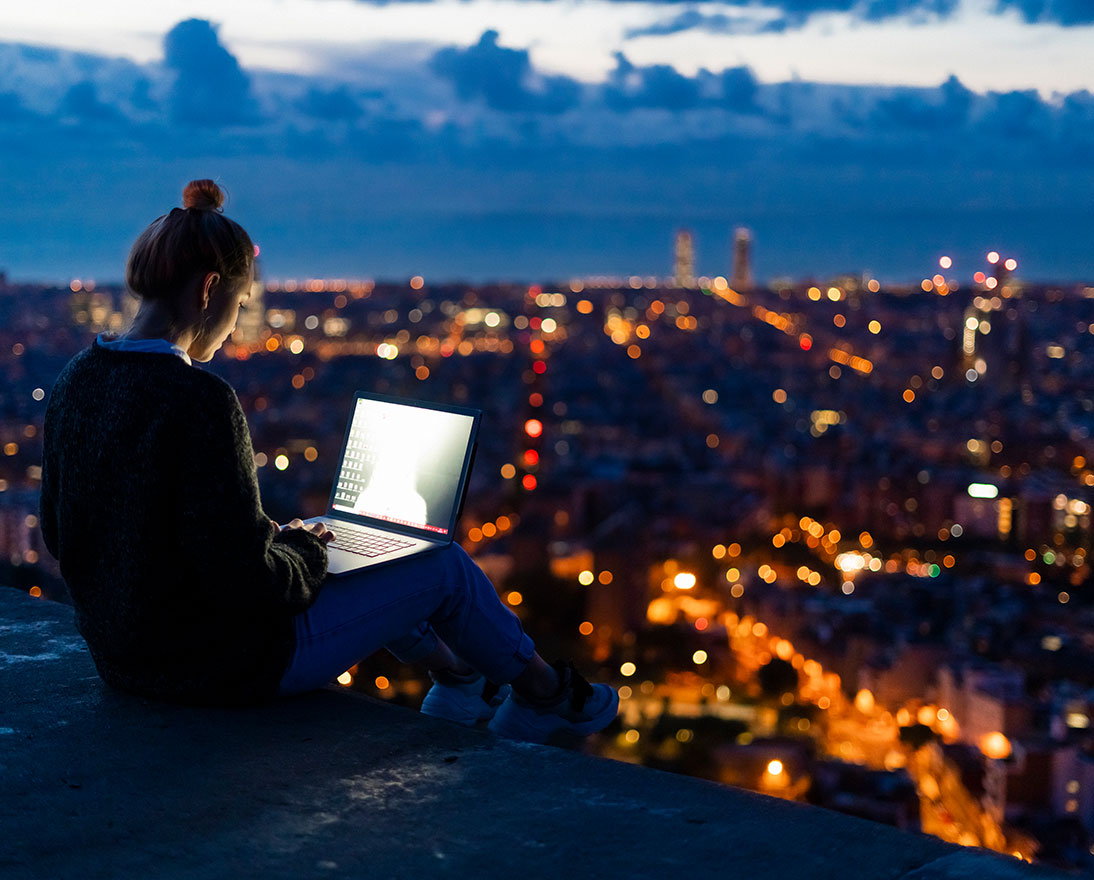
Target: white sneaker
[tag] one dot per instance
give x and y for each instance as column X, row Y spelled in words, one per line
column 581, row 709
column 465, row 702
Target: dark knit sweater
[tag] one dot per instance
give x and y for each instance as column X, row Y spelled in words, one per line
column 183, row 588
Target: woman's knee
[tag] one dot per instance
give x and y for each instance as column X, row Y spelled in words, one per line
column 462, row 575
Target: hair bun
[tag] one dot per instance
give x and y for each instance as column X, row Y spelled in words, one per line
column 204, row 195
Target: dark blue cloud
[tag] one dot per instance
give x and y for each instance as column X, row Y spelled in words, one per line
column 12, row 108
column 82, row 102
column 330, row 104
column 694, row 20
column 503, row 78
column 796, row 12
column 739, row 89
column 657, row 86
column 1017, row 114
column 1065, row 12
column 876, row 10
column 210, row 87
column 662, row 87
column 946, row 108
column 141, row 95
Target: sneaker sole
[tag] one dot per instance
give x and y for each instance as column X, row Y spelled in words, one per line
column 511, row 726
column 440, row 709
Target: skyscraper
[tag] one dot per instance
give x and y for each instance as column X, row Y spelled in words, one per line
column 684, row 267
column 742, row 269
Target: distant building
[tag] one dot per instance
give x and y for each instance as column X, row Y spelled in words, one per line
column 742, row 267
column 684, row 265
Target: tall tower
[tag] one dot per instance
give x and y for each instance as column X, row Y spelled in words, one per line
column 685, row 259
column 742, row 268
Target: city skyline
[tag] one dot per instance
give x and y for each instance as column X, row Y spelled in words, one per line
column 830, row 544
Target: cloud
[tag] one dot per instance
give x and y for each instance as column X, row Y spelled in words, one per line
column 82, row 102
column 657, row 86
column 739, row 89
column 333, row 104
column 503, row 78
column 944, row 108
column 877, row 10
column 210, row 87
column 1017, row 114
column 714, row 23
column 11, row 108
column 795, row 13
column 798, row 12
column 1064, row 12
column 471, row 137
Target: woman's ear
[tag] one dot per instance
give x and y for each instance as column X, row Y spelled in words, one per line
column 212, row 279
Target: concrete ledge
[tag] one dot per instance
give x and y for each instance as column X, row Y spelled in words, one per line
column 95, row 784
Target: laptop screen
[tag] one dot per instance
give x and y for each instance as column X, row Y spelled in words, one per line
column 403, row 463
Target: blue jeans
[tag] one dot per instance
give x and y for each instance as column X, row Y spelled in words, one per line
column 404, row 607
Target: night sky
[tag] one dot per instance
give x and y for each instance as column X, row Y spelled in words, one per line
column 541, row 139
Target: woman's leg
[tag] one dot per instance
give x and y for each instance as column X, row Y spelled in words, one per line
column 414, row 607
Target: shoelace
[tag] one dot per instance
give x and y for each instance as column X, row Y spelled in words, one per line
column 580, row 689
column 489, row 691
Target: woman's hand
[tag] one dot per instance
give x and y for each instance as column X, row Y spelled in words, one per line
column 318, row 529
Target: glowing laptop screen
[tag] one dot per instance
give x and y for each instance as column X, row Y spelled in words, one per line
column 402, row 464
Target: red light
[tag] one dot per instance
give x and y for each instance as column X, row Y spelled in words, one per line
column 534, row 291
column 539, row 366
column 805, row 341
column 531, row 457
column 535, row 323
column 256, row 250
column 533, row 427
column 528, row 482
column 979, row 277
column 535, row 399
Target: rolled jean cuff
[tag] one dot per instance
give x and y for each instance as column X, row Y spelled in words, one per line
column 522, row 656
column 415, row 646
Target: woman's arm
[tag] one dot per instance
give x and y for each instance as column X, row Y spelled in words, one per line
column 222, row 520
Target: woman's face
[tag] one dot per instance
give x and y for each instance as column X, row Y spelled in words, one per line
column 219, row 319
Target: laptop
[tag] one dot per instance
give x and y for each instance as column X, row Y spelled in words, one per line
column 401, row 480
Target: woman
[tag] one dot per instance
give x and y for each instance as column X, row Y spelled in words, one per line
column 184, row 589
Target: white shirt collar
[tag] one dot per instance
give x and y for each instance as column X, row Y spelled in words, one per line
column 157, row 346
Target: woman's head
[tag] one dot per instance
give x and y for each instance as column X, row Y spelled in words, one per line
column 195, row 264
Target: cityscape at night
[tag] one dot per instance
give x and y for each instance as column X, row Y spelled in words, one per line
column 780, row 318
column 829, row 538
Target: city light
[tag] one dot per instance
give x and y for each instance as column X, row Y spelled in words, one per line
column 995, row 745
column 983, row 490
column 684, row 581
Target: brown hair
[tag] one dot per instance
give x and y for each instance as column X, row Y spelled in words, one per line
column 187, row 242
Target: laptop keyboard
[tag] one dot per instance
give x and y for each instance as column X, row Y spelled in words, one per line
column 366, row 542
